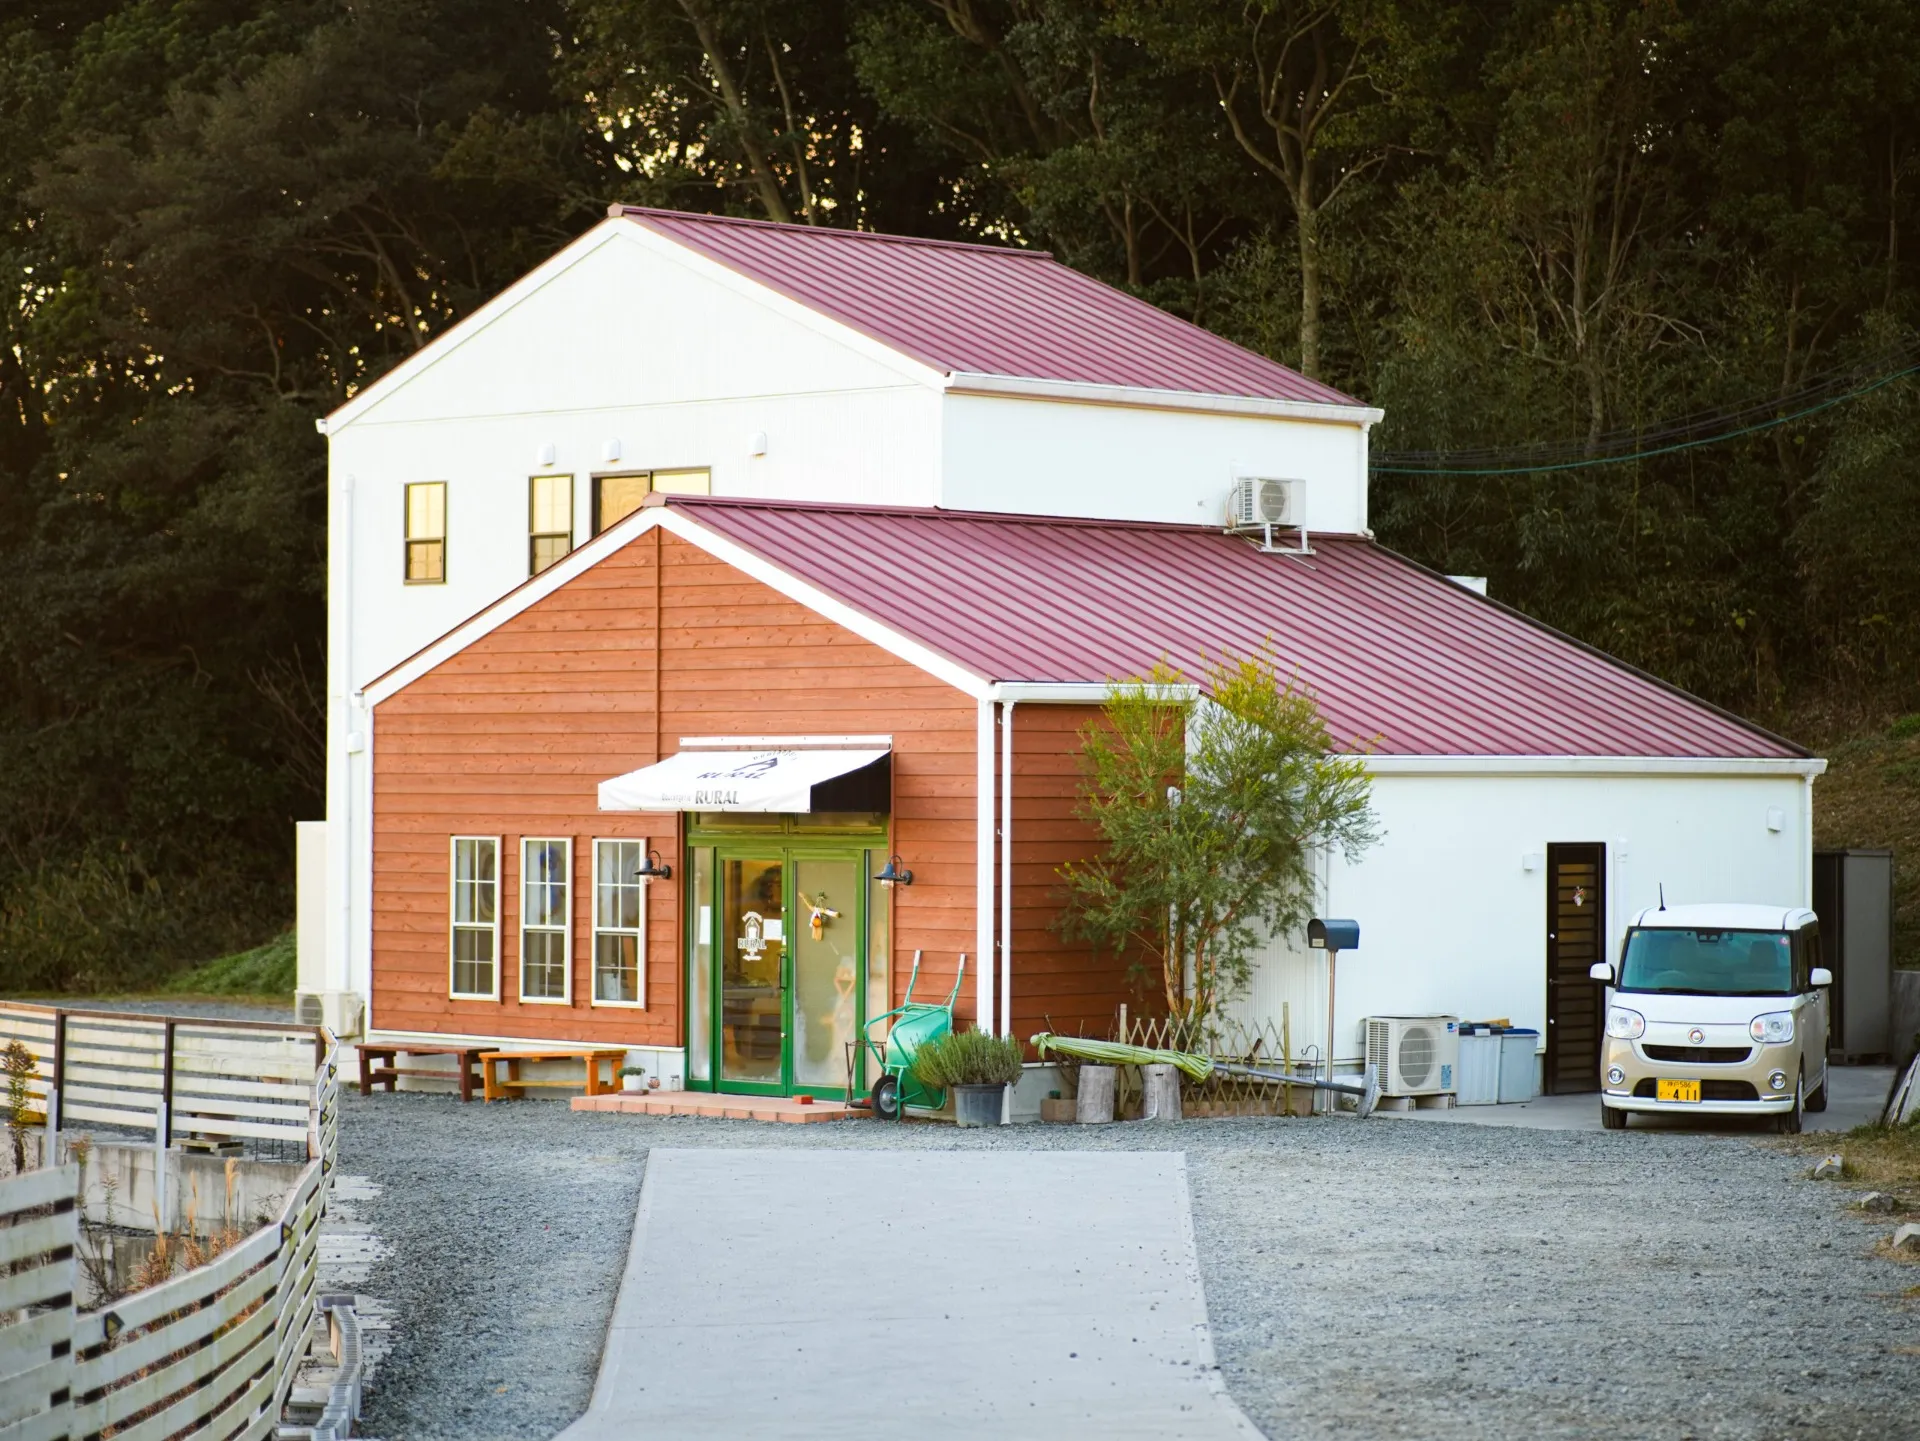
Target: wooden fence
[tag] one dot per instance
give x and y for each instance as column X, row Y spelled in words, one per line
column 171, row 1076
column 210, row 1353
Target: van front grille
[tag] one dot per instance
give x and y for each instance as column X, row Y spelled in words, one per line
column 1701, row 1055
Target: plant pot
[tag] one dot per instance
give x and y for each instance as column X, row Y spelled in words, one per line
column 633, row 1083
column 978, row 1105
column 1054, row 1109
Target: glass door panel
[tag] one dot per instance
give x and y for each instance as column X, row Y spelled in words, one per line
column 752, row 944
column 826, row 970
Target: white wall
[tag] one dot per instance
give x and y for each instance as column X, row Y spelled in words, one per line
column 1069, row 458
column 1452, row 923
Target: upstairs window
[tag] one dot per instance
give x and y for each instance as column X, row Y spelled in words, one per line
column 427, row 532
column 615, row 497
column 475, row 943
column 550, row 520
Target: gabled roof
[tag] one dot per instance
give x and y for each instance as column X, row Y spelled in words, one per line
column 983, row 309
column 1394, row 651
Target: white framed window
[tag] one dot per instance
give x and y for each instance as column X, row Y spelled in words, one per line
column 619, row 494
column 473, row 947
column 619, row 924
column 546, row 873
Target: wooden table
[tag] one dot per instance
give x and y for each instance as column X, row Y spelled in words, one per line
column 513, row 1085
column 378, row 1066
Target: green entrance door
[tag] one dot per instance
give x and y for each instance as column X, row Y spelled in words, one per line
column 787, row 943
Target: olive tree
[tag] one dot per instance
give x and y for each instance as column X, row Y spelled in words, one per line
column 1212, row 808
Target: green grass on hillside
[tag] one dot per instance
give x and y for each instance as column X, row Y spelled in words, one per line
column 1870, row 796
column 263, row 971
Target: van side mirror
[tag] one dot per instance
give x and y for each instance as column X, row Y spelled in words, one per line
column 1601, row 971
column 1822, row 976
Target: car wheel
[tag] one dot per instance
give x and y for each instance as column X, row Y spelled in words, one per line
column 1612, row 1118
column 1787, row 1123
column 886, row 1098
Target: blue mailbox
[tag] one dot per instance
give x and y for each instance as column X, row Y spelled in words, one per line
column 1333, row 935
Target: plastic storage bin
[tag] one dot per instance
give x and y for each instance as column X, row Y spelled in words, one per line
column 1477, row 1082
column 1519, row 1073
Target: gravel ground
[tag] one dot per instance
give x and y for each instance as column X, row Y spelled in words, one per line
column 1379, row 1279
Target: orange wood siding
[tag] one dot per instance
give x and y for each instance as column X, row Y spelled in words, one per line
column 512, row 736
column 1058, row 984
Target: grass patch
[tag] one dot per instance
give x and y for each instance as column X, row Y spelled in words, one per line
column 263, row 971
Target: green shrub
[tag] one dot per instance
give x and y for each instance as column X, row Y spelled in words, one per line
column 968, row 1058
column 1907, row 725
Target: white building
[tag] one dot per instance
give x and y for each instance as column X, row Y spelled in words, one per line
column 693, row 355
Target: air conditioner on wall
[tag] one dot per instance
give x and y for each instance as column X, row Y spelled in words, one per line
column 1414, row 1055
column 1256, row 502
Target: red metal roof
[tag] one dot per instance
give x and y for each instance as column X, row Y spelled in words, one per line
column 1393, row 650
column 987, row 309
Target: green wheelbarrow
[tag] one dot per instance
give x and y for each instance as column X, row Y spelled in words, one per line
column 914, row 1024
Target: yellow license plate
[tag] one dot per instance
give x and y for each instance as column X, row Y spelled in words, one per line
column 1677, row 1090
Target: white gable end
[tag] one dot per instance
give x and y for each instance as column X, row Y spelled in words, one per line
column 621, row 320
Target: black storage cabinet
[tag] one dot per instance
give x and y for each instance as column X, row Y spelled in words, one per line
column 1853, row 896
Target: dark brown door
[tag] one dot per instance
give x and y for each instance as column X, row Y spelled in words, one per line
column 1576, row 938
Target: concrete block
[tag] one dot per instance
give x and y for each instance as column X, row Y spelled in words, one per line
column 1878, row 1202
column 1830, row 1169
column 1907, row 1239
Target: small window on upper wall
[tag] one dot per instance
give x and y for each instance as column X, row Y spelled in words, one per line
column 615, row 497
column 550, row 520
column 426, row 504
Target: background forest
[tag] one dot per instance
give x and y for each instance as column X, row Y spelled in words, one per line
column 1541, row 233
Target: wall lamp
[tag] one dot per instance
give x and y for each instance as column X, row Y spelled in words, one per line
column 895, row 874
column 654, row 869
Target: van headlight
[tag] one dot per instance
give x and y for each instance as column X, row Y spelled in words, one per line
column 1625, row 1025
column 1773, row 1029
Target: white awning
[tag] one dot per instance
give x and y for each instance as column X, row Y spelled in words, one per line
column 782, row 780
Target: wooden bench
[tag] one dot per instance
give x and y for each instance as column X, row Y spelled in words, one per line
column 378, row 1065
column 513, row 1085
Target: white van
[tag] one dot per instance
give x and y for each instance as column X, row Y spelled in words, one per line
column 1716, row 1008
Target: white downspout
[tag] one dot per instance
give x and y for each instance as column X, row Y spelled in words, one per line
column 341, row 832
column 984, row 1012
column 1006, row 868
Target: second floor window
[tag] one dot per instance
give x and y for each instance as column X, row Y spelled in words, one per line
column 615, row 497
column 550, row 520
column 427, row 532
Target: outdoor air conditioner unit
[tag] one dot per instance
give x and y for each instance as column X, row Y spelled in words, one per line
column 1414, row 1055
column 1262, row 503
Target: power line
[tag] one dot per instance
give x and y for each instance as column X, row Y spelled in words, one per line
column 1386, row 466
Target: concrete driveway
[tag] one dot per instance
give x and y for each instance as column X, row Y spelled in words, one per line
column 821, row 1294
column 1856, row 1096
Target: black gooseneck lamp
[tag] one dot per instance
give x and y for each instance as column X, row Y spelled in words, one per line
column 895, row 874
column 654, row 869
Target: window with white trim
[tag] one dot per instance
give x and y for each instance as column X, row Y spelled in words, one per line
column 474, row 945
column 546, row 869
column 619, row 495
column 619, row 924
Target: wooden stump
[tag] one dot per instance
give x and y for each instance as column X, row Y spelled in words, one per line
column 1160, row 1093
column 1094, row 1105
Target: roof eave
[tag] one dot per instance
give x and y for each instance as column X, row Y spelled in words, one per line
column 967, row 382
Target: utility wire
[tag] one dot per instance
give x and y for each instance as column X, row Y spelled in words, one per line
column 1386, row 467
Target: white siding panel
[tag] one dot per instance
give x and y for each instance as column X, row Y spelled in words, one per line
column 1067, row 458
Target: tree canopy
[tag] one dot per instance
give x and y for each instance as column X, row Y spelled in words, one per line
column 1562, row 242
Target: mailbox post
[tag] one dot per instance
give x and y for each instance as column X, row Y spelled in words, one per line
column 1333, row 937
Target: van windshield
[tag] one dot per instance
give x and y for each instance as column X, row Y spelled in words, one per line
column 1708, row 963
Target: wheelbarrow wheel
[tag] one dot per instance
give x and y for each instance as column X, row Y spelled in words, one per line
column 886, row 1098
